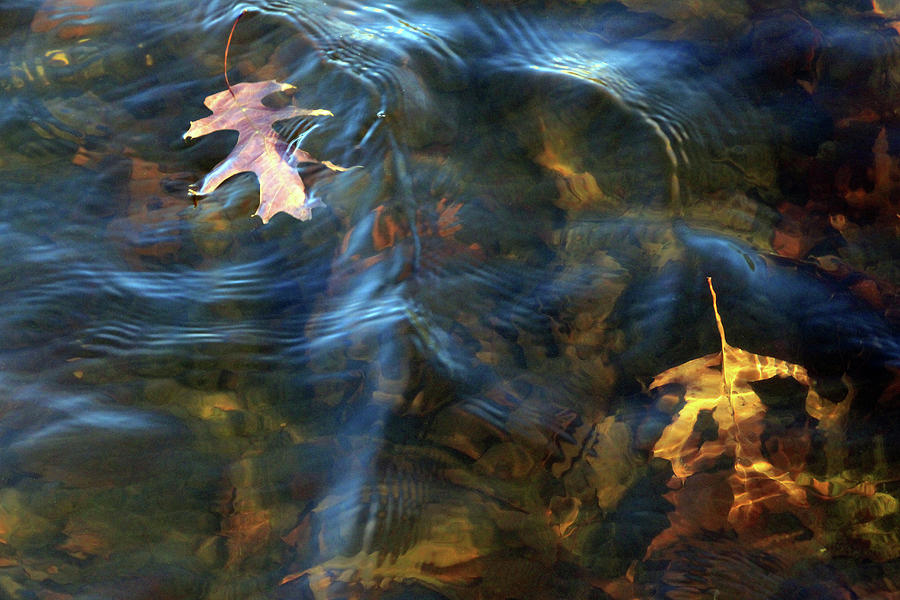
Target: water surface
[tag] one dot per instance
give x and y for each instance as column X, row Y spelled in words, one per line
column 442, row 384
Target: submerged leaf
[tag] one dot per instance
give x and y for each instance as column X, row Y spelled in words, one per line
column 724, row 415
column 259, row 148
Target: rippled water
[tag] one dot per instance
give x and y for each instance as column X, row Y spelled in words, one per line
column 441, row 386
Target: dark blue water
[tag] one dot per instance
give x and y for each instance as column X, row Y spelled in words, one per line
column 441, row 385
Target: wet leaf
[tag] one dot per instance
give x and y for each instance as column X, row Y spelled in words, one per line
column 386, row 238
column 869, row 524
column 259, row 148
column 578, row 189
column 447, row 553
column 247, row 534
column 725, row 415
column 598, row 465
column 67, row 19
column 150, row 222
column 84, row 543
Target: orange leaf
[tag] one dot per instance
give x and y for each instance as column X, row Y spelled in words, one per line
column 84, row 543
column 247, row 533
column 718, row 390
column 69, row 18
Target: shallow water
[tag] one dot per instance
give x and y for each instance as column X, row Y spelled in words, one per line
column 446, row 383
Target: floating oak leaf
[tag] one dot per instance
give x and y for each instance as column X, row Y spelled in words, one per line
column 259, row 148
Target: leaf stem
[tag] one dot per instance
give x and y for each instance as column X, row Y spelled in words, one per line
column 727, row 382
column 228, row 45
column 716, row 311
